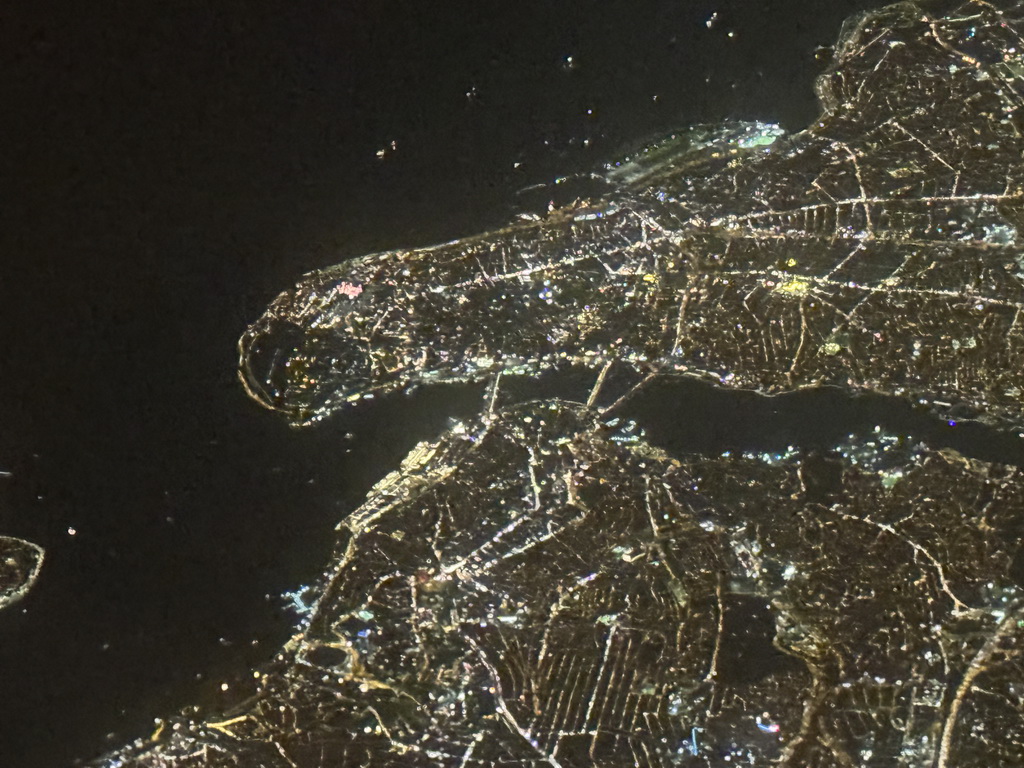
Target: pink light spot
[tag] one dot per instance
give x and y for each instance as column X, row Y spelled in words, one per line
column 348, row 289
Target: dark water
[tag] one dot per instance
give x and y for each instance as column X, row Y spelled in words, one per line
column 166, row 171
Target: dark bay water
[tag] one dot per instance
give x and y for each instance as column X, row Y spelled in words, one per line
column 166, row 172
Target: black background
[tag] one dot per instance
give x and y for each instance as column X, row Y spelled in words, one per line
column 165, row 170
